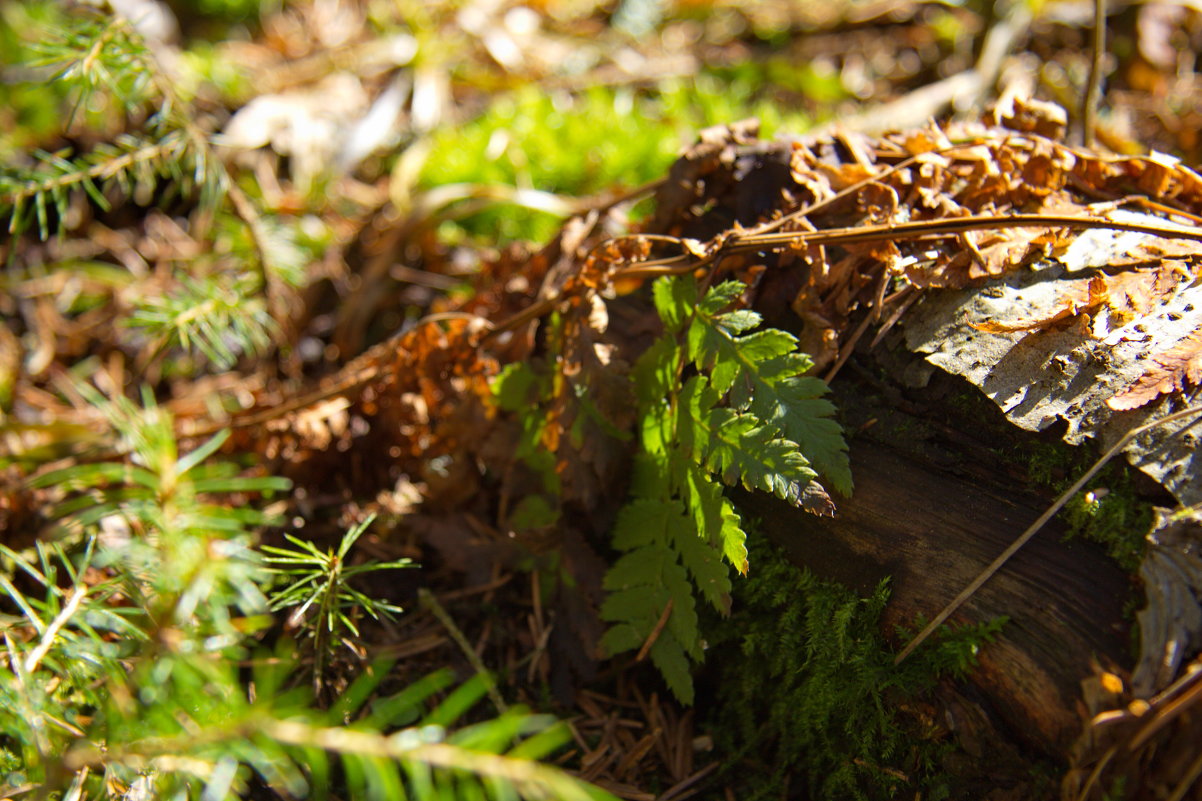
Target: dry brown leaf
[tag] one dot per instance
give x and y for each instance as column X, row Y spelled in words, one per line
column 1002, row 250
column 842, row 176
column 1134, row 293
column 1174, row 369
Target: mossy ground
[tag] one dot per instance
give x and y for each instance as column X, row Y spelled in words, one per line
column 1114, row 509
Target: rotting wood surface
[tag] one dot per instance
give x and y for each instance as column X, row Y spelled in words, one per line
column 931, row 524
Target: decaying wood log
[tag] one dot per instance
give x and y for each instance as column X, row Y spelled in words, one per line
column 999, row 312
column 931, row 509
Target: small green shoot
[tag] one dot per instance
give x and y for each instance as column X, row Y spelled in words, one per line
column 322, row 579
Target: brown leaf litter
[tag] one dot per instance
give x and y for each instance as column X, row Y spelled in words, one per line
column 921, row 229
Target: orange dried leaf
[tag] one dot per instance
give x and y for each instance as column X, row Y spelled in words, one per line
column 1174, row 369
column 1130, row 294
column 1003, row 249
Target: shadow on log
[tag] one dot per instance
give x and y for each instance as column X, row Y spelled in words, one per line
column 932, row 507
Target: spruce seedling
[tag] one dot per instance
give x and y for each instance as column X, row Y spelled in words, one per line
column 125, row 653
column 321, row 579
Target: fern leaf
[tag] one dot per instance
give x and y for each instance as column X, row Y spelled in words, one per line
column 667, row 654
column 719, row 297
column 659, row 429
column 512, row 386
column 741, row 418
column 728, row 358
column 743, row 450
column 734, row 537
column 622, row 637
column 629, row 606
column 763, row 372
column 704, row 564
column 805, row 417
column 672, row 661
column 674, row 301
column 738, row 446
column 715, row 517
column 650, row 476
column 656, row 372
column 666, row 523
column 641, row 585
column 781, row 396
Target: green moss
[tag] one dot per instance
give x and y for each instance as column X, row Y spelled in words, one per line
column 581, row 143
column 809, row 695
column 206, row 63
column 1108, row 511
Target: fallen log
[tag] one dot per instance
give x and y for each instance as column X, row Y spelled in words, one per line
column 931, row 510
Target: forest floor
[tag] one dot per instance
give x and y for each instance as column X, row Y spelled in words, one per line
column 278, row 272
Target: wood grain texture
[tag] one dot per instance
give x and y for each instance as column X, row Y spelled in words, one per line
column 932, row 523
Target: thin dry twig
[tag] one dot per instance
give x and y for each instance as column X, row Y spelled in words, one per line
column 431, row 603
column 372, row 363
column 655, row 632
column 1093, row 89
column 677, row 792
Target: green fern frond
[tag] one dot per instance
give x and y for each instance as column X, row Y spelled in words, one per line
column 763, row 373
column 644, row 585
column 521, row 388
column 727, row 423
column 738, row 446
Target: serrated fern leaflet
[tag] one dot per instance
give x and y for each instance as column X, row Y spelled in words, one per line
column 747, row 415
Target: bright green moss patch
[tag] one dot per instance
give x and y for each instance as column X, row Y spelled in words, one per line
column 582, row 143
column 809, row 699
column 1109, row 511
